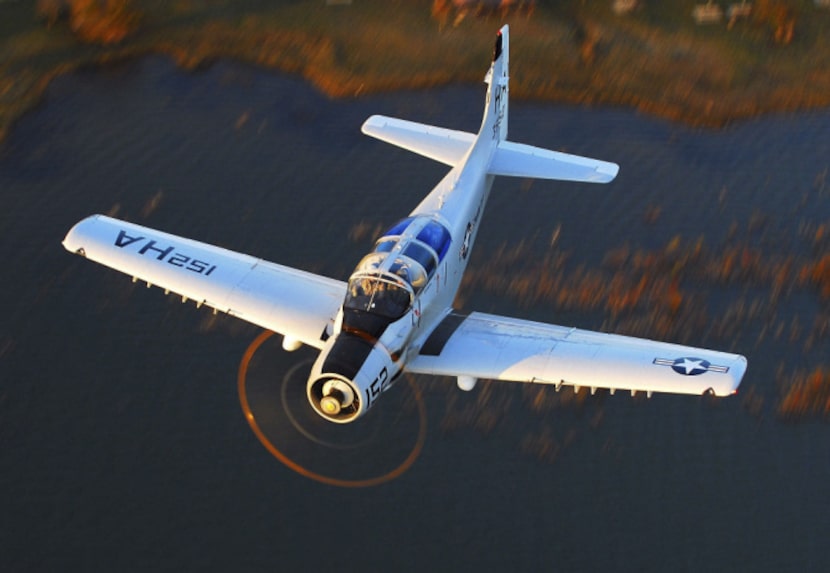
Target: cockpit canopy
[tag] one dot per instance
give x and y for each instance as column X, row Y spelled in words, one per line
column 405, row 257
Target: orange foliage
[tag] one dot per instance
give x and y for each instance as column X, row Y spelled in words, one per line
column 820, row 275
column 807, row 394
column 779, row 15
column 674, row 298
column 93, row 21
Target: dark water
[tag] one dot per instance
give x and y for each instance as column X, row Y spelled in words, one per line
column 122, row 442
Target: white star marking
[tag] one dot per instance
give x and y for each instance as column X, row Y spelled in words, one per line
column 691, row 366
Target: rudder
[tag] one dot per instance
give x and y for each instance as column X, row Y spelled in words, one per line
column 498, row 79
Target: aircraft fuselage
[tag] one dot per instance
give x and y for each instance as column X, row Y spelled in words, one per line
column 357, row 364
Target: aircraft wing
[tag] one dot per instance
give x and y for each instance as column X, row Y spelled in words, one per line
column 296, row 303
column 446, row 146
column 494, row 347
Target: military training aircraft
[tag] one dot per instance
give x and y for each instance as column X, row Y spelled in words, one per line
column 395, row 313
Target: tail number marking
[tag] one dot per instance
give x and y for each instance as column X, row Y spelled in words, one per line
column 163, row 253
column 377, row 387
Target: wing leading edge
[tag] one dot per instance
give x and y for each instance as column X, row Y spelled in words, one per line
column 494, row 347
column 295, row 303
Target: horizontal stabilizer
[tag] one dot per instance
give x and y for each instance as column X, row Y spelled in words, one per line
column 443, row 145
column 519, row 160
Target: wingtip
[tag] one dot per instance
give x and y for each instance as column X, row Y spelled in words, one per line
column 737, row 369
column 608, row 171
column 71, row 242
column 741, row 365
column 371, row 121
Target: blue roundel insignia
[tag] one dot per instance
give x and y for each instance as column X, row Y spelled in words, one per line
column 690, row 366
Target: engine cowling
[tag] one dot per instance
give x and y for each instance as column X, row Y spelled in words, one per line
column 349, row 376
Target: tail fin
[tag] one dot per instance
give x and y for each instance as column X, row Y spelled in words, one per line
column 511, row 159
column 498, row 78
column 519, row 160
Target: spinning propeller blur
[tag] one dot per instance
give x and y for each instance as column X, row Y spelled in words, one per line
column 375, row 450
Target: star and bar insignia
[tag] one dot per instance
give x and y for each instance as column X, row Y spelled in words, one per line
column 689, row 366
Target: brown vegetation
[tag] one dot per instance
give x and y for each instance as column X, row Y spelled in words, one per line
column 818, row 273
column 570, row 53
column 92, row 21
column 806, row 393
column 458, row 10
column 778, row 16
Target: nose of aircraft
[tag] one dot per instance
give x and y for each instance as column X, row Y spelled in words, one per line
column 348, row 376
column 335, row 396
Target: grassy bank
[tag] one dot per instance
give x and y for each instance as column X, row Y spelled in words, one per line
column 655, row 59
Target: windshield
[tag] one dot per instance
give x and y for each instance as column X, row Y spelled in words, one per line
column 387, row 280
column 378, row 295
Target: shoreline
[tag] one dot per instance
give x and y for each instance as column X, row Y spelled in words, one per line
column 698, row 110
column 339, row 85
column 701, row 78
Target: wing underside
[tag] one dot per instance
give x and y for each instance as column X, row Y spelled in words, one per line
column 296, row 303
column 492, row 347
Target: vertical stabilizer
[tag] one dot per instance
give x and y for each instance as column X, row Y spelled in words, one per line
column 495, row 115
column 505, row 157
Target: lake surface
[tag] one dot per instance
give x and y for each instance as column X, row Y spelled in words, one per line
column 122, row 441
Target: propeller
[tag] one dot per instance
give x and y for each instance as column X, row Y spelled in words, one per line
column 379, row 447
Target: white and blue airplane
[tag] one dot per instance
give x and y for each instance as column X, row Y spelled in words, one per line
column 395, row 313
